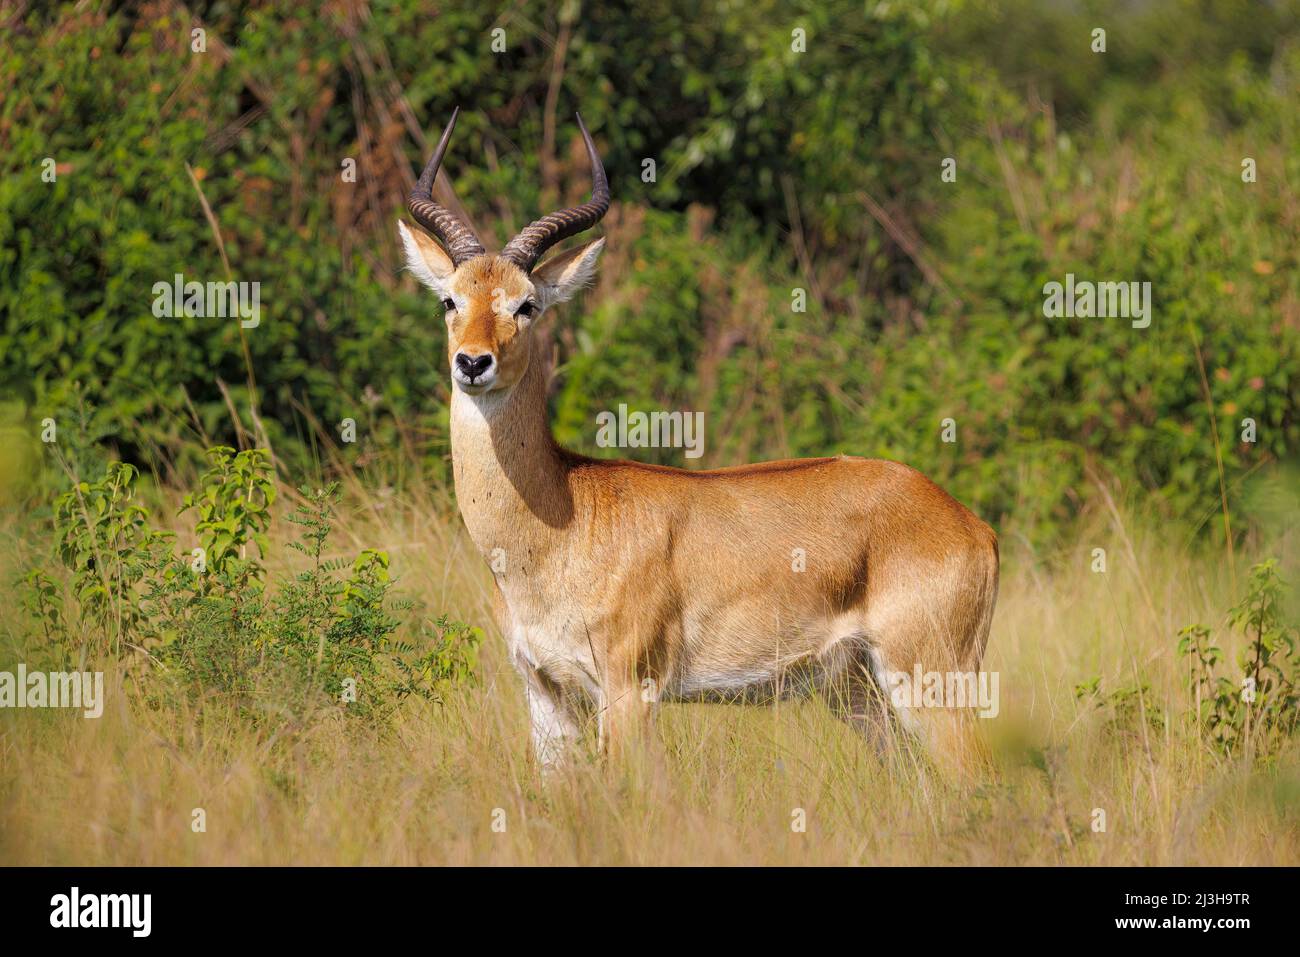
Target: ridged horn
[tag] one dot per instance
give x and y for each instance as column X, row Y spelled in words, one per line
column 457, row 238
column 537, row 237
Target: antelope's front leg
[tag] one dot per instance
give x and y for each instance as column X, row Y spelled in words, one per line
column 556, row 725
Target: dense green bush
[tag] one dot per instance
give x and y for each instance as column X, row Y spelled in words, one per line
column 776, row 170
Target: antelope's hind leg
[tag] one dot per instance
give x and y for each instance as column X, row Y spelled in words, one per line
column 856, row 699
column 943, row 642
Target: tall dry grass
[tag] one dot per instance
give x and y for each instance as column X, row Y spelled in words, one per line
column 453, row 783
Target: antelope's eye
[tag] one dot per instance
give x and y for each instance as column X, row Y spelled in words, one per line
column 448, row 305
column 527, row 310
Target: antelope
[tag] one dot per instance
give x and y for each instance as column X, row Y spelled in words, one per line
column 620, row 585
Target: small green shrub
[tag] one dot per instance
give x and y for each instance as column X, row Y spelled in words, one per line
column 234, row 508
column 213, row 623
column 1257, row 712
column 104, row 540
column 1125, row 708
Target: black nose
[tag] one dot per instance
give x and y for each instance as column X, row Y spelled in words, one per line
column 473, row 366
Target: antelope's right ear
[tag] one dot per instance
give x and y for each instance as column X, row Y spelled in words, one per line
column 426, row 260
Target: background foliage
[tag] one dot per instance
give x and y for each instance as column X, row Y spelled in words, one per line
column 774, row 170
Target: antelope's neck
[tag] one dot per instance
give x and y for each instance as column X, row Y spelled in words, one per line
column 511, row 478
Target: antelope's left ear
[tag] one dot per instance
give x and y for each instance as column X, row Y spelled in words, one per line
column 561, row 276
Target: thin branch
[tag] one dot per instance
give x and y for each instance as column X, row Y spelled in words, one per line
column 908, row 244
